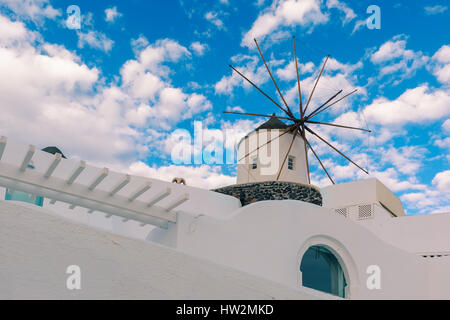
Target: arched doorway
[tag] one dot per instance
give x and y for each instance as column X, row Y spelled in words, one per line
column 322, row 271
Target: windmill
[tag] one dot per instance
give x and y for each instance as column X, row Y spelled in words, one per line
column 298, row 127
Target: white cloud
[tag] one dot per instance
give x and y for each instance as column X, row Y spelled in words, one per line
column 420, row 200
column 338, row 172
column 390, row 178
column 213, row 17
column 336, row 76
column 35, row 10
column 440, row 209
column 431, row 199
column 349, row 14
column 174, row 105
column 288, row 72
column 198, row 48
column 151, row 57
column 441, row 67
column 359, row 25
column 443, row 54
column 47, row 99
column 437, row 9
column 407, row 159
column 393, row 57
column 203, row 176
column 111, row 14
column 95, row 40
column 50, row 97
column 249, row 66
column 259, row 3
column 388, row 51
column 146, row 77
column 14, row 33
column 443, row 143
column 235, row 109
column 442, row 181
column 285, row 13
column 446, row 125
column 414, row 105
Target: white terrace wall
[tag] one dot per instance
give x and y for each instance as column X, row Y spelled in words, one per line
column 268, row 239
column 36, row 249
column 421, row 234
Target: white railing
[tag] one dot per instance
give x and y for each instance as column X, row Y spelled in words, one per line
column 112, row 200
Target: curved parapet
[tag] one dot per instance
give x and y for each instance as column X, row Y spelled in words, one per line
column 273, row 190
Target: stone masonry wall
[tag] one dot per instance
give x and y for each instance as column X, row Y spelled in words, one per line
column 272, row 190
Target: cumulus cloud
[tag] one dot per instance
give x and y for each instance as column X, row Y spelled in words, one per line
column 111, row 14
column 443, row 54
column 146, row 77
column 414, row 105
column 443, row 143
column 441, row 67
column 35, row 10
column 349, row 14
column 235, row 109
column 51, row 97
column 203, row 176
column 407, row 159
column 393, row 58
column 446, row 125
column 14, row 33
column 95, row 40
column 336, row 76
column 213, row 17
column 442, row 181
column 288, row 72
column 150, row 58
column 46, row 94
column 433, row 199
column 285, row 13
column 198, row 48
column 251, row 67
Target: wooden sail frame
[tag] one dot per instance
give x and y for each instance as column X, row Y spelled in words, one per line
column 299, row 125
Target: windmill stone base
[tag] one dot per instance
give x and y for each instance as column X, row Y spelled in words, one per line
column 273, row 190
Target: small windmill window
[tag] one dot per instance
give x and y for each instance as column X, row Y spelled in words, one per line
column 291, row 162
column 254, row 163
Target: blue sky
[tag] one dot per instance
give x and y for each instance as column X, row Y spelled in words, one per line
column 113, row 91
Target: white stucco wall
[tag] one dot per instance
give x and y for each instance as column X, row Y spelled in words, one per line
column 36, row 248
column 422, row 234
column 268, row 238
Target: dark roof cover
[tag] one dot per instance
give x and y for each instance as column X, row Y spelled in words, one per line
column 54, row 150
column 273, row 123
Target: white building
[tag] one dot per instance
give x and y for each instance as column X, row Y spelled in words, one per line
column 146, row 238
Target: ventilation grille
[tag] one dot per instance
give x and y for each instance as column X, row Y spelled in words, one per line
column 342, row 211
column 365, row 211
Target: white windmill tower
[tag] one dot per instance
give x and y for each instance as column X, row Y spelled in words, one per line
column 265, row 163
